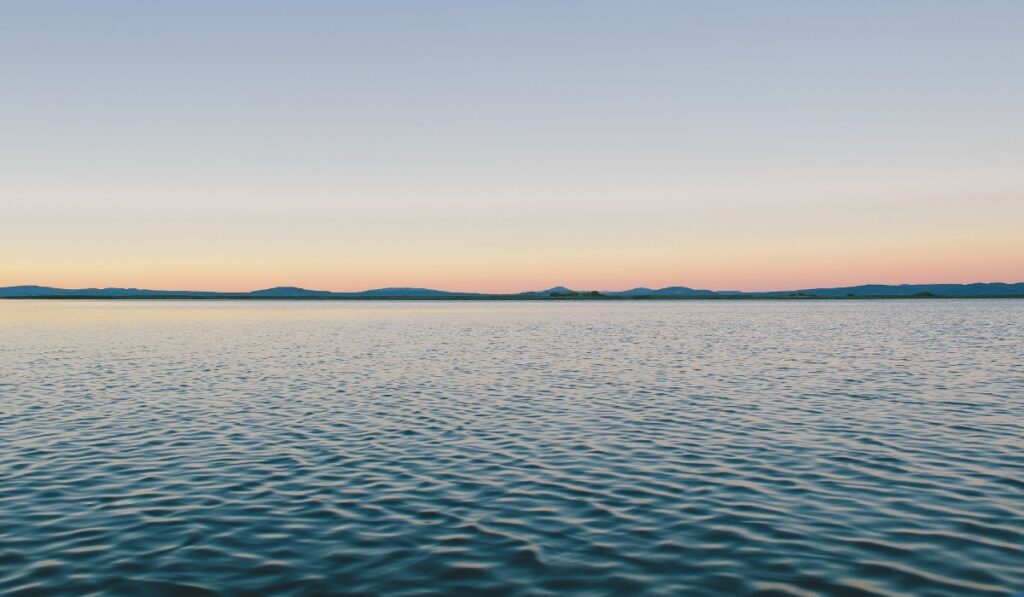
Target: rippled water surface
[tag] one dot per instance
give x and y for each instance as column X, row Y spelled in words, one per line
column 699, row 448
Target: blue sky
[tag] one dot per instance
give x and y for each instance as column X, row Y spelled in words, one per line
column 510, row 145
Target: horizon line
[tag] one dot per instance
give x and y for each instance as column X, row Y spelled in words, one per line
column 512, row 293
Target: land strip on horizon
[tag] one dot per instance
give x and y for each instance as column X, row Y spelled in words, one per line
column 873, row 291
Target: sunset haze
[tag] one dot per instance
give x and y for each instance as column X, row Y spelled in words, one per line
column 508, row 147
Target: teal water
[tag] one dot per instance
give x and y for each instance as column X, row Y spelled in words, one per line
column 698, row 448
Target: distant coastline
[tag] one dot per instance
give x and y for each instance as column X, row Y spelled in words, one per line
column 868, row 291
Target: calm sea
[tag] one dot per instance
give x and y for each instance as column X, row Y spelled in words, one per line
column 697, row 448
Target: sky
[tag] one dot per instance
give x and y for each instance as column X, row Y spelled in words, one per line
column 508, row 146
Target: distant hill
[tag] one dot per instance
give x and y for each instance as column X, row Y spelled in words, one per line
column 991, row 289
column 950, row 290
column 289, row 291
column 670, row 291
column 557, row 290
column 401, row 292
column 46, row 291
column 988, row 289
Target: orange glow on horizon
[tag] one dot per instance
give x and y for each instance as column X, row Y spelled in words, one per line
column 770, row 268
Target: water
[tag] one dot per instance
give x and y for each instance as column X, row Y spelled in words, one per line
column 699, row 448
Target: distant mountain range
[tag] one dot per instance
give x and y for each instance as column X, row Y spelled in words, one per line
column 978, row 290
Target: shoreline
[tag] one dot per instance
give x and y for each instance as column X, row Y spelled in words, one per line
column 502, row 298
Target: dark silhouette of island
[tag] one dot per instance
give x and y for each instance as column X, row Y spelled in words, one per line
column 868, row 291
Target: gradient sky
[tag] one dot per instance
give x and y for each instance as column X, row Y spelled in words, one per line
column 506, row 146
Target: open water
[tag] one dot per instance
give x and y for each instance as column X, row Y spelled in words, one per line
column 687, row 447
